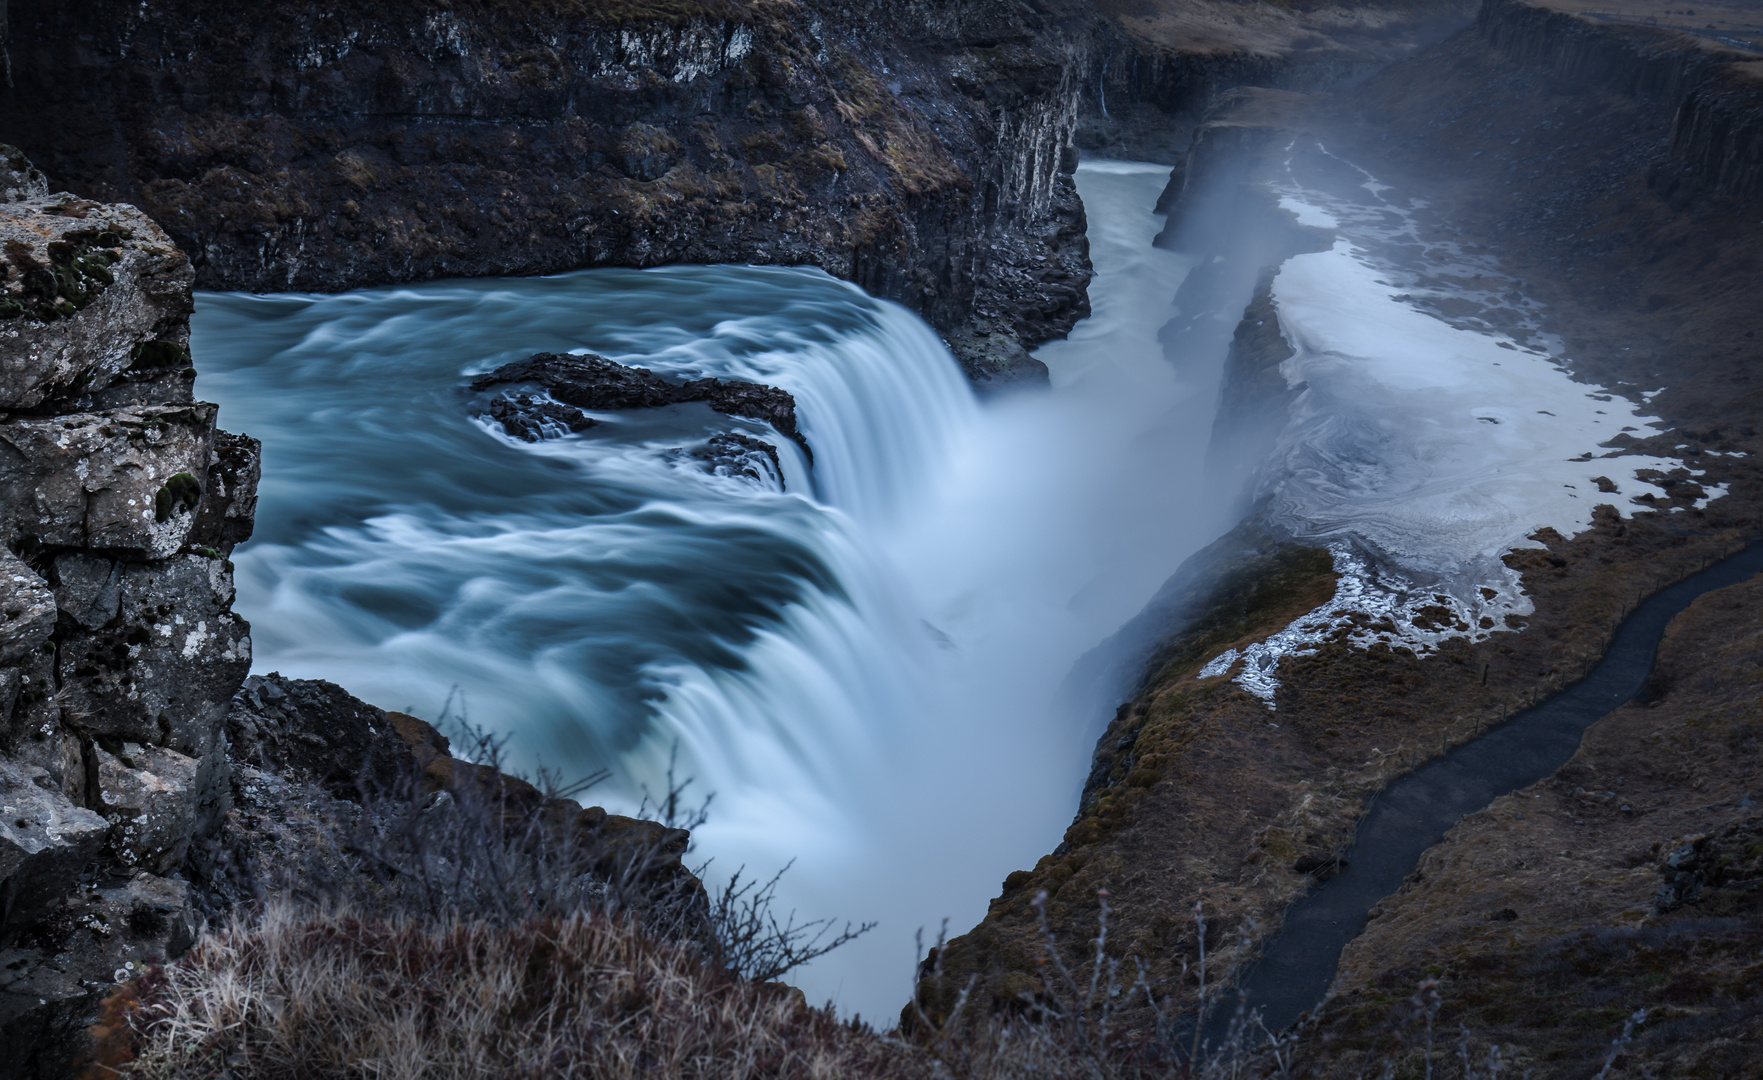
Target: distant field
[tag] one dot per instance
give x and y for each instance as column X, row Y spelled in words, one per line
column 1739, row 20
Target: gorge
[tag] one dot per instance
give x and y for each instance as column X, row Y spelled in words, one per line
column 830, row 657
column 1442, row 363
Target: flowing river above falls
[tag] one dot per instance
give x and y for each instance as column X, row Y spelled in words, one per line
column 860, row 666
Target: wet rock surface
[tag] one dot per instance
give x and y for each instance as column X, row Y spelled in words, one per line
column 529, row 417
column 735, row 454
column 588, row 381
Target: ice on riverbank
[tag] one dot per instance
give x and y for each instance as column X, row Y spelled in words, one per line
column 1421, row 451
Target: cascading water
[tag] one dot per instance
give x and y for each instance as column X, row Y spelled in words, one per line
column 859, row 666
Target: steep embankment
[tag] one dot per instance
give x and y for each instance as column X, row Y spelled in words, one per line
column 1161, row 63
column 1579, row 169
column 120, row 650
column 919, row 150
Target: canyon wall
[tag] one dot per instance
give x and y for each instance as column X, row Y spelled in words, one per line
column 1160, row 65
column 1711, row 89
column 120, row 653
column 920, row 150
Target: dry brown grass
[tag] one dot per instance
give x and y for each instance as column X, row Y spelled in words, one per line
column 308, row 994
column 296, row 992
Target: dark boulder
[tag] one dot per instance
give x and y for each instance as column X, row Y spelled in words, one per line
column 734, row 454
column 587, row 381
column 308, row 729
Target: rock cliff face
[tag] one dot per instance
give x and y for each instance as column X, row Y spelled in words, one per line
column 145, row 785
column 920, row 150
column 1161, row 64
column 121, row 653
column 1711, row 89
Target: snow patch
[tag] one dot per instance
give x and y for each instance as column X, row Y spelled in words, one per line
column 1421, row 449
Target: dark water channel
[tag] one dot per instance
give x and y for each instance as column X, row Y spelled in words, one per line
column 1415, row 811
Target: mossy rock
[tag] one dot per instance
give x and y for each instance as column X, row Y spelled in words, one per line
column 181, row 492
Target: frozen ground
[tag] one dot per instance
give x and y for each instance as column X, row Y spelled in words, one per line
column 1435, row 431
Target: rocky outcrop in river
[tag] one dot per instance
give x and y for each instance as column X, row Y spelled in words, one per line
column 588, row 381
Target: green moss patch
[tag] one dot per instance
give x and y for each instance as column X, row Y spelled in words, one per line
column 69, row 274
column 182, row 492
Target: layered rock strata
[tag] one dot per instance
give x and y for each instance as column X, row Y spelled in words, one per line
column 121, row 501
column 921, row 150
column 1160, row 65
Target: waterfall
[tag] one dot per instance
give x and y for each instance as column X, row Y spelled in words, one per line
column 858, row 665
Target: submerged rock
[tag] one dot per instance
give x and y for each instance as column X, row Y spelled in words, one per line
column 735, row 454
column 530, row 417
column 588, row 381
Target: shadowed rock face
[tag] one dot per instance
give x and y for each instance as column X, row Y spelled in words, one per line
column 920, row 149
column 589, row 381
column 913, row 148
column 119, row 652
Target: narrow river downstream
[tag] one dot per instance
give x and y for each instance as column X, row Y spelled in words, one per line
column 858, row 665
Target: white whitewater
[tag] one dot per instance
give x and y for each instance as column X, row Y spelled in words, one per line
column 859, row 666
